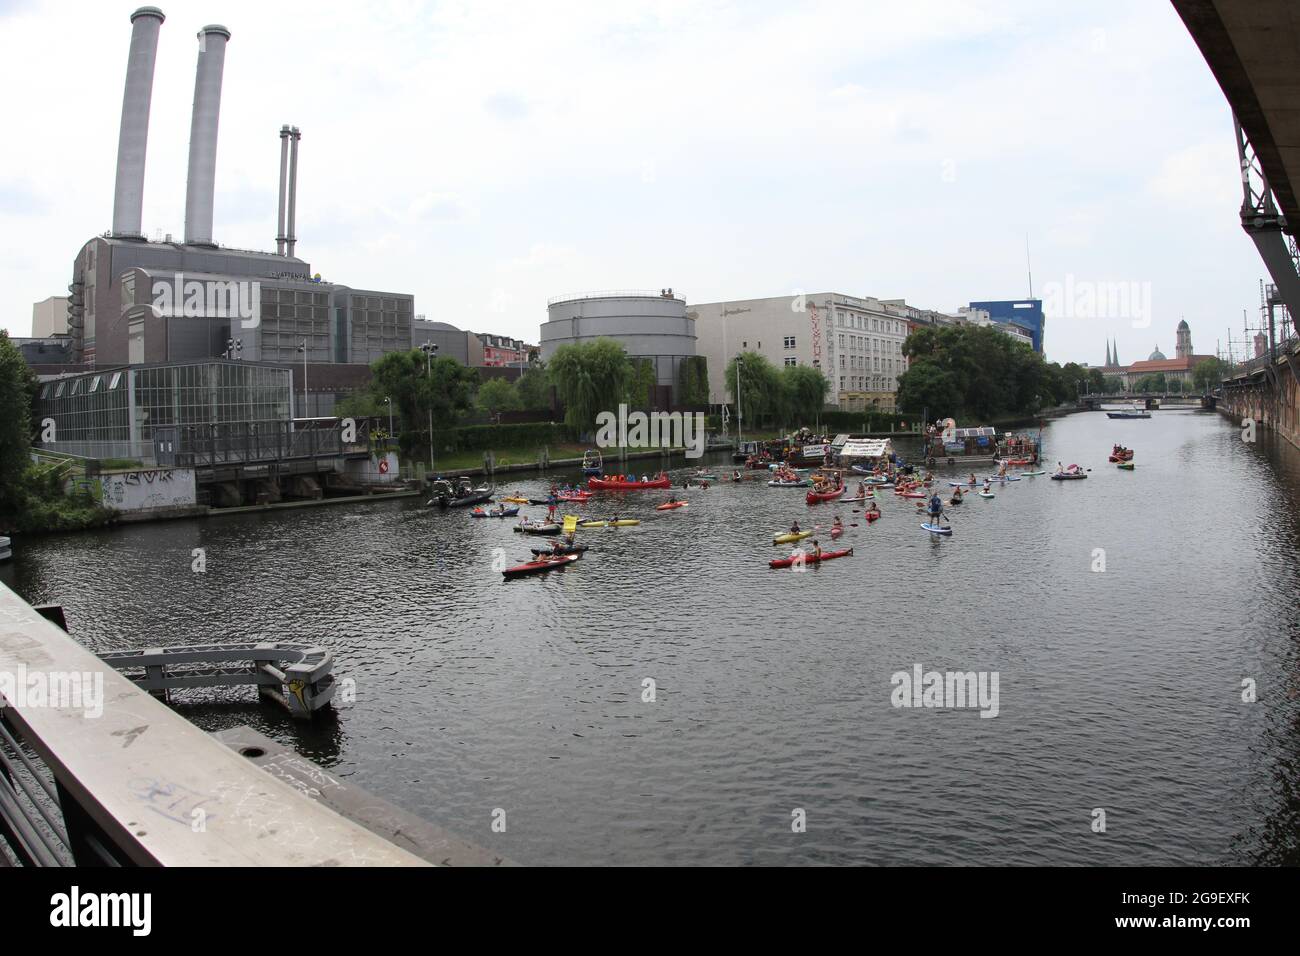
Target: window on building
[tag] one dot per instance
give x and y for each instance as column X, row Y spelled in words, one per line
column 789, row 341
column 790, row 360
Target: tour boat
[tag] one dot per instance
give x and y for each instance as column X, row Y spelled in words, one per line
column 1131, row 412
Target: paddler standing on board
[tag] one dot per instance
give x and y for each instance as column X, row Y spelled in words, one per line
column 936, row 509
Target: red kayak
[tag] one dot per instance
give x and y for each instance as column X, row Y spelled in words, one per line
column 809, row 558
column 836, row 532
column 540, row 565
column 670, row 505
column 911, row 494
column 814, row 497
column 609, row 484
column 871, row 515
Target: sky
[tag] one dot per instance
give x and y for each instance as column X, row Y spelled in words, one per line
column 488, row 156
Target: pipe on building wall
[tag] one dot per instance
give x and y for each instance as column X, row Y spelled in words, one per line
column 284, row 173
column 200, row 187
column 292, row 236
column 133, row 136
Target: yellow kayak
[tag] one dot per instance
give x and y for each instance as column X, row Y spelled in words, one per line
column 790, row 536
column 516, row 501
column 621, row 523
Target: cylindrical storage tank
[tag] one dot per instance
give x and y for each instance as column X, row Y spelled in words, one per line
column 133, row 135
column 649, row 325
column 200, row 186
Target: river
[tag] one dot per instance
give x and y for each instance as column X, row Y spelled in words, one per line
column 1119, row 690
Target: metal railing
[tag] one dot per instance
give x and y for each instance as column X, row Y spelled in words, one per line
column 619, row 294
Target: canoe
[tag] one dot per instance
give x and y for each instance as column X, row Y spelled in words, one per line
column 987, row 494
column 1069, row 477
column 870, row 516
column 808, row 558
column 790, row 536
column 540, row 565
column 814, row 497
column 1125, row 465
column 609, row 484
column 787, row 484
column 936, row 529
column 538, row 528
column 507, row 513
column 671, row 505
column 620, row 523
column 569, row 549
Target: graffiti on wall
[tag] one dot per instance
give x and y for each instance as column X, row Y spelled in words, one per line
column 146, row 490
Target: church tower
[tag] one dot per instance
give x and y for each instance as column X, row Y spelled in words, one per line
column 1184, row 345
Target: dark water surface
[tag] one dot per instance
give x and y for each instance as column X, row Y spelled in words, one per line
column 1118, row 690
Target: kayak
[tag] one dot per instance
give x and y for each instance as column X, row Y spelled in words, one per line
column 670, row 505
column 987, row 494
column 870, row 515
column 1068, row 476
column 581, row 496
column 620, row 523
column 518, row 501
column 540, row 565
column 609, row 484
column 788, row 484
column 538, row 528
column 507, row 513
column 911, row 494
column 858, row 498
column 836, row 532
column 1125, row 465
column 704, row 477
column 954, row 501
column 543, row 501
column 815, row 497
column 936, row 529
column 1031, row 474
column 572, row 549
column 808, row 558
column 790, row 536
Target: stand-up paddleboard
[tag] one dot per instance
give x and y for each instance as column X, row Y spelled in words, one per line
column 936, row 529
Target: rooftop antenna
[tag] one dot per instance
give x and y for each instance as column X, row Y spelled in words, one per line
column 1029, row 267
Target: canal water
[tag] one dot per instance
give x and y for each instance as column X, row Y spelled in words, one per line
column 1118, row 690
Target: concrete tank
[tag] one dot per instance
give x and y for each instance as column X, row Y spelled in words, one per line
column 650, row 325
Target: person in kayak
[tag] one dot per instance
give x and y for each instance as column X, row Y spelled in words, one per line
column 862, row 489
column 956, row 496
column 973, row 480
column 794, row 528
column 874, row 509
column 838, row 525
column 816, row 550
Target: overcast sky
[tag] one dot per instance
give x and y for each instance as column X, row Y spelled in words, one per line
column 486, row 157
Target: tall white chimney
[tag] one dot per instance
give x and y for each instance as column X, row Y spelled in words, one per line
column 201, row 184
column 292, row 238
column 284, row 172
column 133, row 136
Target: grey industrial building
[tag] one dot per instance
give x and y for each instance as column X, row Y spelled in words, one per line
column 648, row 325
column 138, row 301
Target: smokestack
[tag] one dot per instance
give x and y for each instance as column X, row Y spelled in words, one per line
column 201, row 184
column 292, row 238
column 133, row 136
column 284, row 172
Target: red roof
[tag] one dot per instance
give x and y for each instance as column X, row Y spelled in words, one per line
column 1168, row 365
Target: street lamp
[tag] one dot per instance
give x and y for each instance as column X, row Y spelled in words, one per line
column 740, row 412
column 389, row 402
column 303, row 349
column 430, row 349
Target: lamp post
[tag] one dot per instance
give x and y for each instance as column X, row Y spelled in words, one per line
column 430, row 349
column 303, row 349
column 740, row 412
column 389, row 402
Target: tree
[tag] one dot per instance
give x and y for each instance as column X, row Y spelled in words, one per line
column 760, row 387
column 443, row 388
column 534, row 389
column 17, row 388
column 641, row 384
column 496, row 395
column 927, row 388
column 1151, row 383
column 1207, row 375
column 693, row 381
column 590, row 377
column 803, row 393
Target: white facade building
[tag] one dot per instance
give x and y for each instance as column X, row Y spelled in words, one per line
column 50, row 317
column 857, row 343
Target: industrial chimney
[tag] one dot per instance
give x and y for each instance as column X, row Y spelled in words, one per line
column 292, row 238
column 201, row 183
column 133, row 137
column 284, row 172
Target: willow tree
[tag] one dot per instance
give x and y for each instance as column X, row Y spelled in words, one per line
column 760, row 387
column 591, row 378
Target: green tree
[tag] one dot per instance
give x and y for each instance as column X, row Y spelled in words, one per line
column 1151, row 383
column 1207, row 375
column 760, row 388
column 497, row 395
column 534, row 389
column 443, row 388
column 803, row 393
column 641, row 384
column 693, row 381
column 590, row 377
column 17, row 388
column 927, row 388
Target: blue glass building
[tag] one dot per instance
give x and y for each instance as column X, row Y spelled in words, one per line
column 1025, row 313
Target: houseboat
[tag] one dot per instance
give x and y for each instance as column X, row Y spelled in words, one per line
column 963, row 446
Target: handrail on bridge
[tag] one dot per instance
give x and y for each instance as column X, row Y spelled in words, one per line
column 128, row 781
